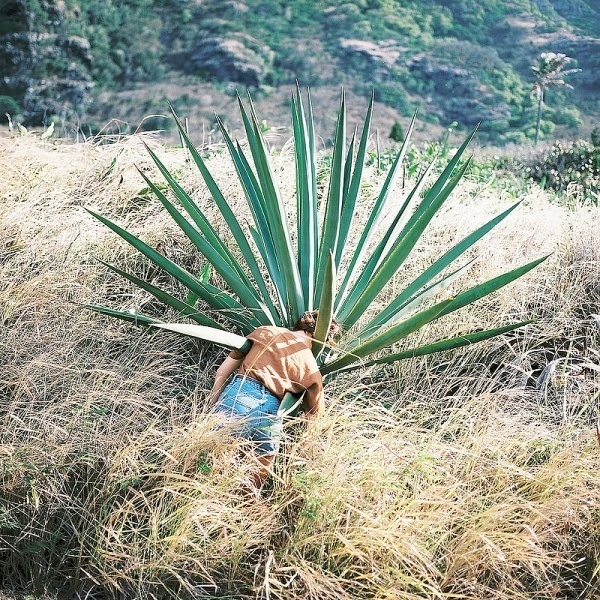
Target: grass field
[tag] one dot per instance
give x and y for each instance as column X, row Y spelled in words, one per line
column 474, row 474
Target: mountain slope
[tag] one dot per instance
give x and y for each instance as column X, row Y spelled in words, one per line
column 457, row 60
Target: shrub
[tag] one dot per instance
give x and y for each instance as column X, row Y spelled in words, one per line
column 8, row 105
column 393, row 94
column 570, row 117
column 547, row 127
column 566, row 165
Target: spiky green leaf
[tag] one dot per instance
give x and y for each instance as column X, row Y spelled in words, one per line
column 209, row 334
column 410, row 292
column 130, row 317
column 168, row 299
column 237, row 233
column 386, row 338
column 325, row 309
column 453, row 343
column 306, row 197
column 217, row 299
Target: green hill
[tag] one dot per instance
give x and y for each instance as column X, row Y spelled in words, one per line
column 85, row 62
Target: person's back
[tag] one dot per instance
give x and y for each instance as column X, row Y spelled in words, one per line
column 282, row 361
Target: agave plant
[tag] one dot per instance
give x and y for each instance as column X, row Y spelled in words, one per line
column 279, row 269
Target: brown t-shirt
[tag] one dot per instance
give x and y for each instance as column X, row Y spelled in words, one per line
column 283, row 362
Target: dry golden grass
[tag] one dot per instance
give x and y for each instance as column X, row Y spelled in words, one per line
column 474, row 474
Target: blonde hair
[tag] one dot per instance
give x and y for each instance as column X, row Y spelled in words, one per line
column 308, row 322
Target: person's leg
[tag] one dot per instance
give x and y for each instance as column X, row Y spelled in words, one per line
column 256, row 409
column 266, row 433
column 265, row 462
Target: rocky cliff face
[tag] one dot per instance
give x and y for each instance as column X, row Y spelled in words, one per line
column 238, row 58
column 44, row 71
column 453, row 93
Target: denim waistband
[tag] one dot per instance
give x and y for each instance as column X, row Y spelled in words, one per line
column 249, row 380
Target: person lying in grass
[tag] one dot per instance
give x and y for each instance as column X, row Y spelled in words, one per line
column 279, row 361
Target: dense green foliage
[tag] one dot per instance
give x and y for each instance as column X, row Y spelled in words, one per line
column 457, row 60
column 573, row 167
column 123, row 36
column 8, row 106
column 116, row 27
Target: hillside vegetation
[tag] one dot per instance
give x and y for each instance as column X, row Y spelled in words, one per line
column 474, row 474
column 83, row 63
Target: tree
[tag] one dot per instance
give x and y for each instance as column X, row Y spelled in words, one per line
column 549, row 72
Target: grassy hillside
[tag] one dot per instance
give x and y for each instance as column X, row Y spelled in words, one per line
column 473, row 474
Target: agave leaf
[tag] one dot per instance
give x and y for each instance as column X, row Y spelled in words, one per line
column 271, row 228
column 333, row 205
column 256, row 200
column 411, row 304
column 165, row 297
column 351, row 196
column 487, row 287
column 375, row 214
column 313, row 154
column 399, row 226
column 440, row 346
column 130, row 317
column 274, row 209
column 204, row 277
column 408, row 294
column 261, row 234
column 290, row 405
column 387, row 338
column 306, row 202
column 447, row 172
column 237, row 232
column 263, row 166
column 325, row 310
column 348, row 165
column 209, row 334
column 446, row 307
column 247, row 120
column 272, row 267
column 401, row 249
column 384, row 194
column 235, row 278
column 347, row 298
column 216, row 298
column 193, row 211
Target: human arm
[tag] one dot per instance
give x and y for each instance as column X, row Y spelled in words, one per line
column 227, row 367
column 313, row 402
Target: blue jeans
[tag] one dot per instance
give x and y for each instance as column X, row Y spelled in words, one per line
column 255, row 407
